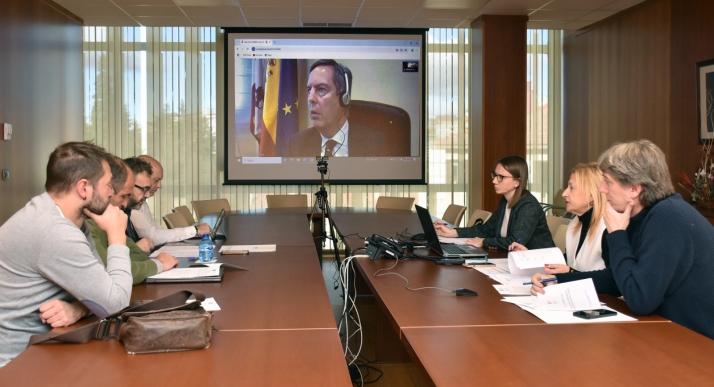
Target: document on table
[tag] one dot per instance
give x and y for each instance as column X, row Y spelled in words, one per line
column 530, row 262
column 251, row 248
column 185, row 251
column 569, row 296
column 566, row 317
column 210, row 270
column 513, row 290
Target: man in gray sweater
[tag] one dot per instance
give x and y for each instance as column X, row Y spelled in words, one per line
column 50, row 272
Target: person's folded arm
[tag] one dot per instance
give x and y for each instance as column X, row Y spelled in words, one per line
column 664, row 253
column 74, row 268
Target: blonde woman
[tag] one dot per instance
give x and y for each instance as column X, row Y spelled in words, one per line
column 584, row 238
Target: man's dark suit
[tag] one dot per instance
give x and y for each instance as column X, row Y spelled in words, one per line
column 362, row 141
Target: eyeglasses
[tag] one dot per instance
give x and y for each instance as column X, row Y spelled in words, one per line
column 500, row 178
column 143, row 189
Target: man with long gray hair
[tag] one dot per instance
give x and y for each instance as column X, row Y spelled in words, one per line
column 661, row 249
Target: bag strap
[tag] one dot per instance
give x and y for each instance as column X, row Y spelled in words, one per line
column 100, row 329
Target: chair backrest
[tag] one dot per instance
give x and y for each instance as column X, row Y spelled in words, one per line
column 476, row 215
column 394, row 203
column 555, row 221
column 558, row 203
column 175, row 220
column 183, row 210
column 286, row 201
column 207, row 207
column 559, row 237
column 391, row 120
column 453, row 214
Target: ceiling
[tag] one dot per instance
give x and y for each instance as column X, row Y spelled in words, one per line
column 548, row 14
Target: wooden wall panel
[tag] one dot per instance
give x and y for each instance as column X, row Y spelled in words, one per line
column 617, row 83
column 692, row 42
column 499, row 120
column 40, row 93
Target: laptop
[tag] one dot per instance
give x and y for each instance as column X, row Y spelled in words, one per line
column 215, row 235
column 446, row 250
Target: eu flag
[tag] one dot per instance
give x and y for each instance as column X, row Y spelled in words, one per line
column 280, row 116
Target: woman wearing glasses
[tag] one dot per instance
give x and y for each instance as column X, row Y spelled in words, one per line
column 585, row 238
column 519, row 217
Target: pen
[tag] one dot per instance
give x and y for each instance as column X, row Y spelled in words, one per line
column 542, row 281
column 518, row 241
column 192, row 258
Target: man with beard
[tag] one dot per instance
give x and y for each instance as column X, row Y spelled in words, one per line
column 50, row 272
column 140, row 192
column 144, row 222
column 141, row 265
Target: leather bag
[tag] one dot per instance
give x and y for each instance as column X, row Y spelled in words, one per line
column 164, row 325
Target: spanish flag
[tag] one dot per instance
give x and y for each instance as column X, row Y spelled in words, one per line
column 280, row 115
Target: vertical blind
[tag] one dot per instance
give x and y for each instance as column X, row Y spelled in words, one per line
column 543, row 113
column 159, row 91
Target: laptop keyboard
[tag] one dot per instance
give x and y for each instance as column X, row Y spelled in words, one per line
column 453, row 249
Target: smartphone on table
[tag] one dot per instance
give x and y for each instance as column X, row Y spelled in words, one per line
column 595, row 313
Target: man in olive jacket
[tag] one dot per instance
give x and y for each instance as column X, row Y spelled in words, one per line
column 141, row 265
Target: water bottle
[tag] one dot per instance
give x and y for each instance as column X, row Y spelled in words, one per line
column 205, row 249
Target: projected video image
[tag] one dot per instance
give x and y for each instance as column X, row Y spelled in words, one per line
column 340, row 108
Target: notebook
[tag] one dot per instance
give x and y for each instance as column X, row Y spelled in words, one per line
column 190, row 270
column 445, row 249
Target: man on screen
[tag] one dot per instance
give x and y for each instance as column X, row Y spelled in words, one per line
column 328, row 88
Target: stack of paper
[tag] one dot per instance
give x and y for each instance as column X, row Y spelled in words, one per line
column 559, row 302
column 182, row 251
column 572, row 296
column 530, row 262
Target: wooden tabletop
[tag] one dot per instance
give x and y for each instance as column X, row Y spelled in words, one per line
column 596, row 354
column 239, row 358
column 274, row 294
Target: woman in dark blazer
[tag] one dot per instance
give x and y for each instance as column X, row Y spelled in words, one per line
column 519, row 217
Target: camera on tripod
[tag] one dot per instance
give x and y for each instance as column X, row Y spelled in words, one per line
column 322, row 165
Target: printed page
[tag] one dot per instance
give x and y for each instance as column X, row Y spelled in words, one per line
column 251, row 248
column 190, row 272
column 186, row 251
column 576, row 295
column 530, row 262
column 513, row 290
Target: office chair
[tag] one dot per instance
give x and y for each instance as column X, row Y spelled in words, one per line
column 554, row 222
column 175, row 220
column 476, row 215
column 183, row 210
column 453, row 214
column 394, row 203
column 212, row 206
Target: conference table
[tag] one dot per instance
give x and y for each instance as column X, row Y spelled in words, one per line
column 481, row 340
column 276, row 325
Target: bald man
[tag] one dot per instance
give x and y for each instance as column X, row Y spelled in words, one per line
column 145, row 224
